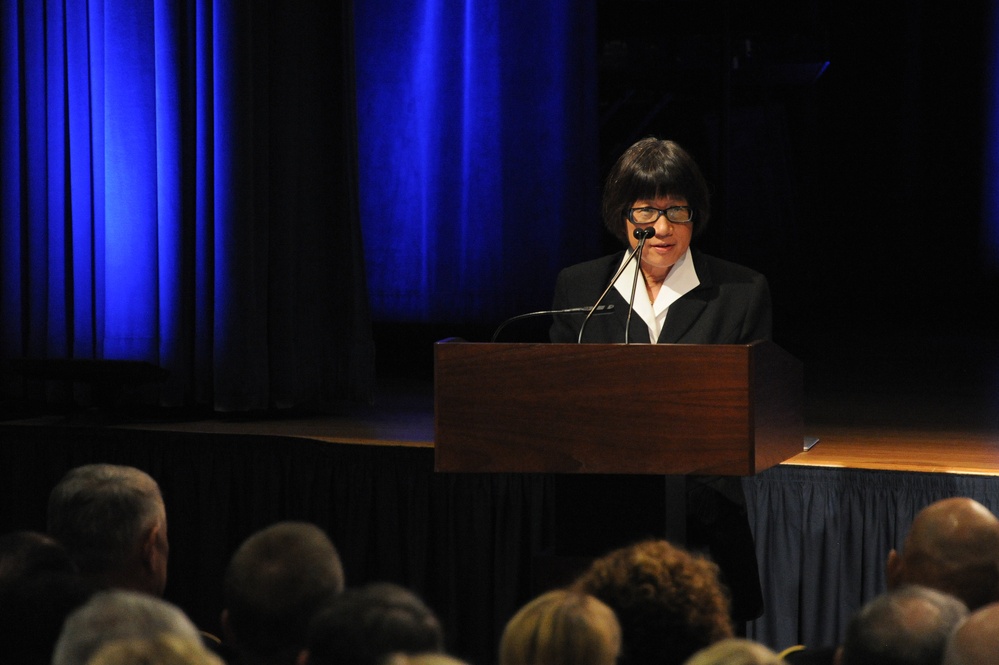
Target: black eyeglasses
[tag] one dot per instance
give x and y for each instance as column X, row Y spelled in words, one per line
column 675, row 214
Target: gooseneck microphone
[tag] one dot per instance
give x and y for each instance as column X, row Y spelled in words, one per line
column 603, row 309
column 641, row 235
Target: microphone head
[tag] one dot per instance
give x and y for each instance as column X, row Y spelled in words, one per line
column 646, row 233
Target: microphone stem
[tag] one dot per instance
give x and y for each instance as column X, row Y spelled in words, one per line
column 582, row 327
column 634, row 286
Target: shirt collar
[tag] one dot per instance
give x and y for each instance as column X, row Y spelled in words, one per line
column 682, row 279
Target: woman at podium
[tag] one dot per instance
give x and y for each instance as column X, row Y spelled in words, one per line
column 683, row 296
column 663, row 291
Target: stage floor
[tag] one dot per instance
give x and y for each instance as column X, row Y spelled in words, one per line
column 918, row 404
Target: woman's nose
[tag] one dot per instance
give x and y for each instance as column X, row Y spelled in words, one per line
column 663, row 226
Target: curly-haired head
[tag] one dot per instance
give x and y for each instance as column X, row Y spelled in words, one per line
column 668, row 601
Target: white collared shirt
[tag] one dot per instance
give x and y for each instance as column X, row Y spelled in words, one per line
column 682, row 278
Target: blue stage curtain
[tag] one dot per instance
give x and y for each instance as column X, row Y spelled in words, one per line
column 179, row 186
column 478, row 153
column 990, row 186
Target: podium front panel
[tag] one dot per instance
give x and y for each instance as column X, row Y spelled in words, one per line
column 615, row 408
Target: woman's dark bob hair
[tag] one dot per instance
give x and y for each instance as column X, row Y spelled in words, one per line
column 650, row 169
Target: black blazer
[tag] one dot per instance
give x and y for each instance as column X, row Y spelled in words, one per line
column 731, row 305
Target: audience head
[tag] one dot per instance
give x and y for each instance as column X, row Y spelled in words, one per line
column 27, row 554
column 735, row 651
column 116, row 615
column 39, row 588
column 365, row 625
column 906, row 626
column 976, row 640
column 561, row 628
column 275, row 583
column 422, row 659
column 161, row 650
column 952, row 546
column 668, row 601
column 112, row 521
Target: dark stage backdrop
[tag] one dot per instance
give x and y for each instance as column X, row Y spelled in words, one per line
column 829, row 132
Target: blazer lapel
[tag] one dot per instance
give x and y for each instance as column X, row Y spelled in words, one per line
column 684, row 312
column 681, row 316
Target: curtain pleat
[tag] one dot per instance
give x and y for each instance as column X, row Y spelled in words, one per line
column 180, row 187
column 823, row 537
column 478, row 129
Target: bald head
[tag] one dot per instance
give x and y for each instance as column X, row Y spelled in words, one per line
column 952, row 546
column 976, row 640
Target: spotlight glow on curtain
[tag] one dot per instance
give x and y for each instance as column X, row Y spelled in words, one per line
column 478, row 151
column 990, row 186
column 139, row 169
column 98, row 194
column 100, row 202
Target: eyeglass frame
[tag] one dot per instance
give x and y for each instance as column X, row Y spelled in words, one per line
column 662, row 212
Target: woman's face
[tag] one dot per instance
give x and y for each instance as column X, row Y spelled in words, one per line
column 670, row 242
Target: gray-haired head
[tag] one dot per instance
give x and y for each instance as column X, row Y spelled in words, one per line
column 115, row 615
column 112, row 521
column 905, row 626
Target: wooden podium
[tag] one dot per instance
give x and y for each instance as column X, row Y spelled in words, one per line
column 646, row 422
column 667, row 409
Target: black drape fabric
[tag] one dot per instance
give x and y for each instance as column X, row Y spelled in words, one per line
column 823, row 537
column 298, row 332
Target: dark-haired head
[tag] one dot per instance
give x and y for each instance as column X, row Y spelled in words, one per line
column 648, row 170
